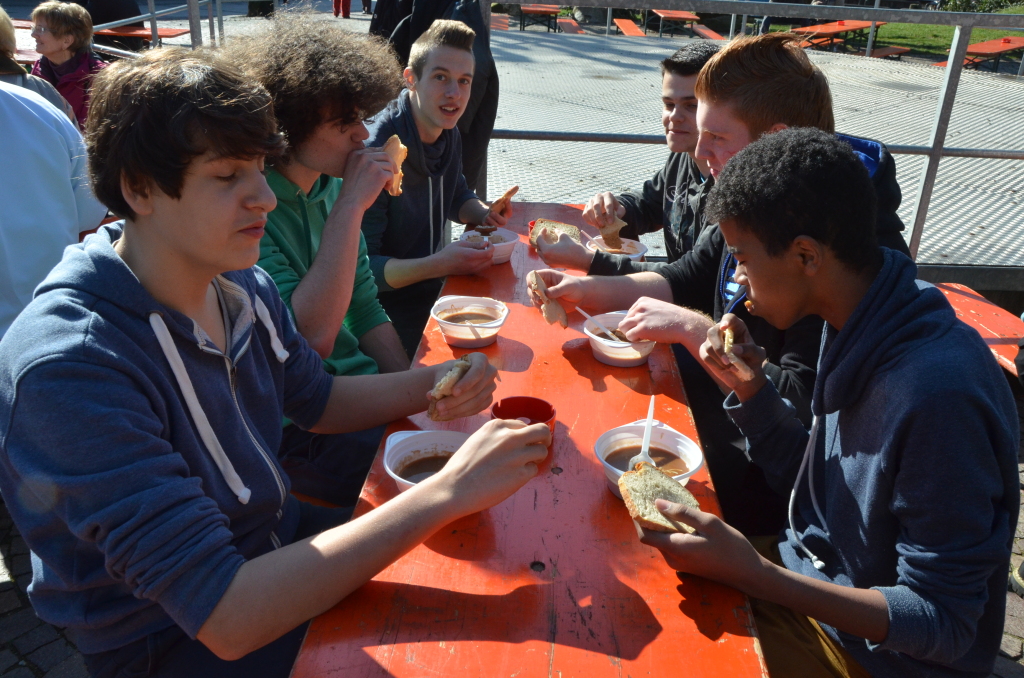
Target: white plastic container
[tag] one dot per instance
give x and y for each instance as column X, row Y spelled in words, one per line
column 503, row 250
column 470, row 336
column 634, row 249
column 404, row 447
column 662, row 436
column 616, row 353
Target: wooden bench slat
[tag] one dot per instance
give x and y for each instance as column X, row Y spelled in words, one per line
column 569, row 25
column 629, row 28
column 705, row 32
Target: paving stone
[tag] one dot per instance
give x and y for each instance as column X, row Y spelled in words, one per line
column 7, row 659
column 18, row 546
column 1015, row 560
column 37, row 637
column 9, row 601
column 1010, row 647
column 19, row 672
column 17, row 624
column 23, row 581
column 20, row 565
column 1004, row 668
column 49, row 656
column 72, row 667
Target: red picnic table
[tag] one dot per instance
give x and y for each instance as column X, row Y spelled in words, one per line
column 827, row 34
column 1000, row 329
column 995, row 49
column 142, row 32
column 553, row 581
column 549, row 13
column 674, row 16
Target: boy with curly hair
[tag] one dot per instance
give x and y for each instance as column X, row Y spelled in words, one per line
column 325, row 82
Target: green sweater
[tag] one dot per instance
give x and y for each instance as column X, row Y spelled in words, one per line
column 287, row 249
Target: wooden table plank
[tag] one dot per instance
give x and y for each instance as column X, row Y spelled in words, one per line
column 835, row 28
column 1000, row 329
column 142, row 32
column 553, row 581
column 994, row 47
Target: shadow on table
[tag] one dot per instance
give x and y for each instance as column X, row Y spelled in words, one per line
column 579, row 355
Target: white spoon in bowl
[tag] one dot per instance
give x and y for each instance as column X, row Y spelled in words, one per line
column 600, row 326
column 645, row 446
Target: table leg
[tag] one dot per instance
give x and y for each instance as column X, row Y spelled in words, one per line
column 995, row 64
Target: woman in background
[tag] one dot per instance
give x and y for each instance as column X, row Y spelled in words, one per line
column 13, row 74
column 63, row 34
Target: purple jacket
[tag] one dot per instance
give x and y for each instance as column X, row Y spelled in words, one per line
column 73, row 85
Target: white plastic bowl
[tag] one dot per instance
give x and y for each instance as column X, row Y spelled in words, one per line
column 662, row 436
column 634, row 249
column 616, row 353
column 405, row 447
column 470, row 336
column 503, row 250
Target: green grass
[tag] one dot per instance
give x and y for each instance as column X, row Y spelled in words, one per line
column 934, row 41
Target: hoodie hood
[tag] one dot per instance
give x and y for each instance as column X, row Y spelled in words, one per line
column 882, row 168
column 877, row 333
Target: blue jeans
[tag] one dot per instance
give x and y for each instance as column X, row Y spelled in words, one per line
column 329, row 466
column 172, row 654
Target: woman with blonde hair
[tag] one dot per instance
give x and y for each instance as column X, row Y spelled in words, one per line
column 63, row 34
column 13, row 74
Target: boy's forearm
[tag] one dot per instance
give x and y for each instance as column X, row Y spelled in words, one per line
column 383, row 345
column 364, row 401
column 859, row 612
column 276, row 592
column 322, row 297
column 404, row 272
column 473, row 211
column 617, row 293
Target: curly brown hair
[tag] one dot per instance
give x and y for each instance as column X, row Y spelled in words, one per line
column 150, row 117
column 318, row 73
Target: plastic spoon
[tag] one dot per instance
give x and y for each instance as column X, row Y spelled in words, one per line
column 600, row 326
column 645, row 446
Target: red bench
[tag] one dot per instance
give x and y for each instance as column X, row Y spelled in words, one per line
column 705, row 32
column 629, row 28
column 886, row 52
column 968, row 62
column 567, row 25
column 1000, row 329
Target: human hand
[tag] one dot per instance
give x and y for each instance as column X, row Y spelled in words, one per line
column 497, row 218
column 661, row 321
column 601, row 210
column 564, row 251
column 743, row 372
column 464, row 258
column 472, row 393
column 368, row 171
column 715, row 551
column 569, row 290
column 495, row 462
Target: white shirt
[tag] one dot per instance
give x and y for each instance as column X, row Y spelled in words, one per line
column 45, row 196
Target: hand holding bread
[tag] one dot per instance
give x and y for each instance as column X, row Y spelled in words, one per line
column 462, row 387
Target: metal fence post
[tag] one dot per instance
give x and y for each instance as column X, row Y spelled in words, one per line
column 732, row 26
column 220, row 21
column 608, row 25
column 871, row 35
column 213, row 34
column 154, row 36
column 195, row 24
column 955, row 66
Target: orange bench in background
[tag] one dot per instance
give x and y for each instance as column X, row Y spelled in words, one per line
column 628, row 27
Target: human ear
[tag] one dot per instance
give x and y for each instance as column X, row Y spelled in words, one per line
column 140, row 199
column 410, row 78
column 777, row 127
column 808, row 252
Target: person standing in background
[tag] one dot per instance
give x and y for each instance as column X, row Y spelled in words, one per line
column 63, row 34
column 12, row 73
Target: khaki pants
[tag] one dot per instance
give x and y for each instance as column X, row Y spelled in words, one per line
column 793, row 644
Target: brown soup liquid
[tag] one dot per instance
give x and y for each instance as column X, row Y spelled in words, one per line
column 467, row 318
column 422, row 468
column 663, row 459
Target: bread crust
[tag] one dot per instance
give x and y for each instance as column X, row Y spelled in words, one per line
column 444, row 387
column 610, row 234
column 636, row 512
column 550, row 309
column 541, row 224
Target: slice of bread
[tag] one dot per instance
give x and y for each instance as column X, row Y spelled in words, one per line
column 541, row 224
column 443, row 388
column 398, row 152
column 641, row 486
column 610, row 233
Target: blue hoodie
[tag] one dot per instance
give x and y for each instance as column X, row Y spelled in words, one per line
column 135, row 521
column 914, row 468
column 411, row 226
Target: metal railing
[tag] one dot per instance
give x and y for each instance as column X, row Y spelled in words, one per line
column 194, row 20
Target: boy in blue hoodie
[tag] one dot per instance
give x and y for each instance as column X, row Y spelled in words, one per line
column 141, row 395
column 409, row 244
column 904, row 495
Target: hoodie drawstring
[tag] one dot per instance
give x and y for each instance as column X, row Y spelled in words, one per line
column 263, row 313
column 808, row 455
column 227, row 470
column 430, row 193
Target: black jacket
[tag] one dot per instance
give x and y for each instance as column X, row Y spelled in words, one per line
column 701, row 279
column 672, row 201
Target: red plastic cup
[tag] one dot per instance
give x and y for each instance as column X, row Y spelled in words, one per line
column 1006, row 40
column 841, row 23
column 535, row 410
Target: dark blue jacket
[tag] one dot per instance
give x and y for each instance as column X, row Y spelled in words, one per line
column 915, row 473
column 132, row 524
